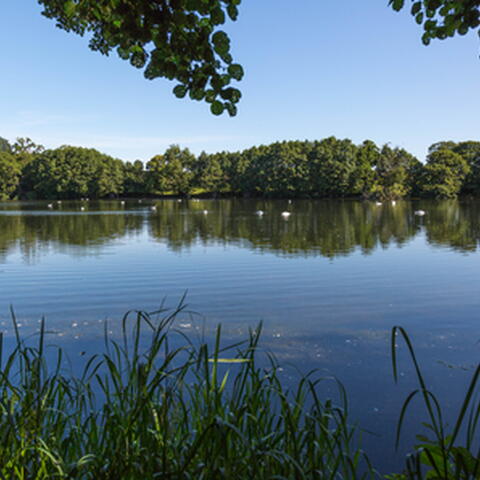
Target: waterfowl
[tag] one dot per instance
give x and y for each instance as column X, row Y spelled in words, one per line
column 153, row 208
column 260, row 212
column 394, row 203
column 420, row 213
column 286, row 214
column 205, row 212
column 50, row 205
column 82, row 209
column 378, row 203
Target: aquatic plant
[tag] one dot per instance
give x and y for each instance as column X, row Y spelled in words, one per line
column 446, row 453
column 156, row 404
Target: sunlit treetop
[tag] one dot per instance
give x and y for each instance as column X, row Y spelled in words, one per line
column 175, row 39
column 443, row 18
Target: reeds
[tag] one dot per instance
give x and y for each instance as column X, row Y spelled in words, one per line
column 447, row 453
column 172, row 409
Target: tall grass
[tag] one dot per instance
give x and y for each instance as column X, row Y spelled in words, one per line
column 172, row 409
column 448, row 453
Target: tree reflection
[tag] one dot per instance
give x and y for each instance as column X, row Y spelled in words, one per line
column 329, row 228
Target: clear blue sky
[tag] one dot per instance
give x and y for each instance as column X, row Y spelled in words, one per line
column 314, row 68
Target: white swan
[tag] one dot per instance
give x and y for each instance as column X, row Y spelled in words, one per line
column 420, row 213
column 50, row 205
column 378, row 203
column 286, row 214
column 259, row 212
column 122, row 202
column 205, row 212
column 394, row 203
column 153, row 208
column 82, row 209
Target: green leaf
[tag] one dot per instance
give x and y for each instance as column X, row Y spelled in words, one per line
column 210, row 96
column 232, row 11
column 397, row 4
column 232, row 109
column 221, row 43
column 217, row 107
column 235, row 71
column 217, row 16
column 180, row 91
column 416, row 7
column 70, row 8
column 229, row 360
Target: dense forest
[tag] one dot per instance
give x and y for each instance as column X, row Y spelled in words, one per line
column 307, row 169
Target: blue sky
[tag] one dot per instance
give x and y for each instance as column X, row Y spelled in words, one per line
column 314, row 68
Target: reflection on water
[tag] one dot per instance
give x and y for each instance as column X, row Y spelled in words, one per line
column 329, row 282
column 326, row 228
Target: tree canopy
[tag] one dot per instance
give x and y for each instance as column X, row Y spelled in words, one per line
column 5, row 145
column 175, row 39
column 73, row 172
column 181, row 40
column 9, row 175
column 443, row 18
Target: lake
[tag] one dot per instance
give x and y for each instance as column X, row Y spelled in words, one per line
column 328, row 282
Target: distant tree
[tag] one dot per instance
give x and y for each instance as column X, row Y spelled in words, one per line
column 73, row 172
column 209, row 172
column 134, row 178
column 25, row 150
column 444, row 174
column 172, row 172
column 332, row 164
column 277, row 169
column 470, row 152
column 9, row 175
column 109, row 178
column 26, row 145
column 236, row 166
column 5, row 145
column 367, row 157
column 394, row 173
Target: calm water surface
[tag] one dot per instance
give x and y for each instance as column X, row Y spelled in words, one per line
column 328, row 283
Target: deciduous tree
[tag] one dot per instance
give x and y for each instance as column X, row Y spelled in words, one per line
column 10, row 172
column 172, row 172
column 444, row 174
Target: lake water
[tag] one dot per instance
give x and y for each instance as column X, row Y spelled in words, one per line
column 328, row 283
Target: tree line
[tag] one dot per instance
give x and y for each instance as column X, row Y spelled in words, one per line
column 328, row 168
